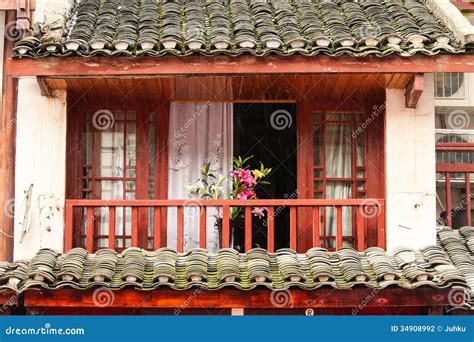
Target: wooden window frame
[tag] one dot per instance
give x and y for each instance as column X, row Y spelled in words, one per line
column 374, row 162
column 74, row 165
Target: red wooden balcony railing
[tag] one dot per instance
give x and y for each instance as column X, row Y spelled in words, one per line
column 308, row 214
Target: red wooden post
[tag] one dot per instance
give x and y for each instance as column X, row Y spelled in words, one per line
column 305, row 170
column 360, row 228
column 7, row 147
column 448, row 199
column 225, row 226
column 90, row 229
column 203, row 227
column 68, row 228
column 112, row 227
column 134, row 226
column 157, row 242
column 248, row 228
column 142, row 171
column 338, row 227
column 381, row 238
column 293, row 242
column 180, row 230
column 271, row 229
column 316, row 232
column 164, row 226
column 468, row 199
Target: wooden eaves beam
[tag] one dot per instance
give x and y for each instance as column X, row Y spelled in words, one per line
column 414, row 90
column 225, row 65
column 234, row 298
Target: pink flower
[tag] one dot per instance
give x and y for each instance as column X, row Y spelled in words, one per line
column 242, row 196
column 247, row 178
column 259, row 212
column 246, row 194
column 234, row 174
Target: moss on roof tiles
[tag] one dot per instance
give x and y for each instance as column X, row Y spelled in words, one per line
column 284, row 269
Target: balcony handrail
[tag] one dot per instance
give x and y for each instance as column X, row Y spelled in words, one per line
column 314, row 209
column 230, row 203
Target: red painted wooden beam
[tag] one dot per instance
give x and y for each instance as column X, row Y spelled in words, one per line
column 8, row 298
column 225, row 65
column 454, row 167
column 414, row 90
column 234, row 298
column 444, row 147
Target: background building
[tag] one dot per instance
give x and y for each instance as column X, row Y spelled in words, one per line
column 454, row 99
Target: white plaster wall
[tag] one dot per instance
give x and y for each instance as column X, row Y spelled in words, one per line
column 410, row 165
column 50, row 10
column 40, row 160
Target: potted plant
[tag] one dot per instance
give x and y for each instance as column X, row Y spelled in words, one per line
column 244, row 182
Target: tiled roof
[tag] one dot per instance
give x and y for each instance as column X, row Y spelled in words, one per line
column 143, row 270
column 235, row 27
column 459, row 245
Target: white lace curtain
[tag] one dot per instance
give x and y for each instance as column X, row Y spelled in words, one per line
column 339, row 165
column 199, row 133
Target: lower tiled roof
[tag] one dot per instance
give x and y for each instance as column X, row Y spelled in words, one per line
column 459, row 245
column 284, row 269
column 235, row 27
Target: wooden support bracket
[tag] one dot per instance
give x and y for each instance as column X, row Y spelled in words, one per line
column 44, row 87
column 414, row 90
column 23, row 9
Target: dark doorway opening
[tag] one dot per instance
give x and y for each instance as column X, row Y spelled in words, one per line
column 267, row 131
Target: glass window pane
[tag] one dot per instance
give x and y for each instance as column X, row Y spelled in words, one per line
column 317, row 146
column 119, row 116
column 131, row 144
column 360, row 151
column 111, row 190
column 449, row 85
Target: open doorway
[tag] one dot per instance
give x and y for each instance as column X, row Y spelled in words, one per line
column 267, row 131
